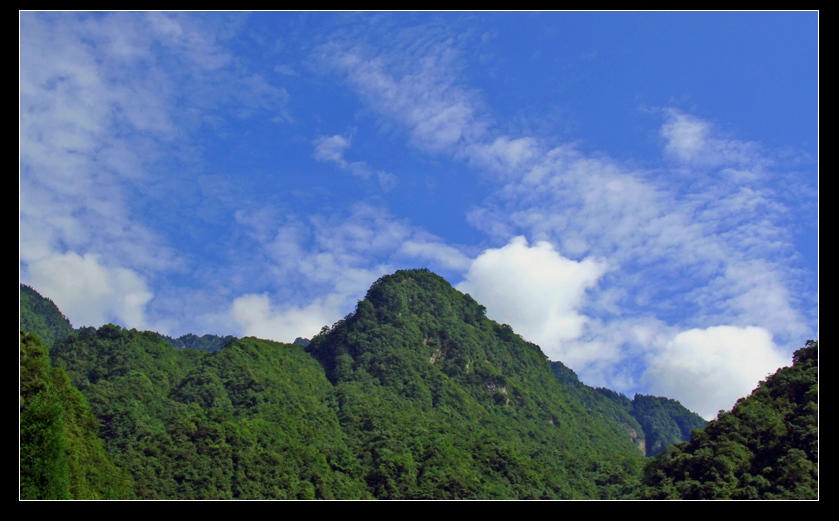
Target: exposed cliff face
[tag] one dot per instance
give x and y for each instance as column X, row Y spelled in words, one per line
column 638, row 439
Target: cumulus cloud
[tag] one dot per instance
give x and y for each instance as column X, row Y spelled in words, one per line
column 535, row 290
column 90, row 293
column 709, row 369
column 256, row 316
column 696, row 243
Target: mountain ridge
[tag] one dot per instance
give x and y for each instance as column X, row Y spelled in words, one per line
column 429, row 397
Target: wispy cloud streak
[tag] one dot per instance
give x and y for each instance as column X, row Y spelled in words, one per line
column 695, row 243
column 101, row 106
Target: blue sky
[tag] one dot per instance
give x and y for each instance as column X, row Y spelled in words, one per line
column 635, row 192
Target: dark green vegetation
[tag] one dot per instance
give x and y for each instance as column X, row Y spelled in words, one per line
column 662, row 420
column 665, row 421
column 41, row 316
column 653, row 422
column 766, row 447
column 199, row 343
column 250, row 421
column 414, row 395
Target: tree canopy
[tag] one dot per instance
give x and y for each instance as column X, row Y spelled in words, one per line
column 766, row 447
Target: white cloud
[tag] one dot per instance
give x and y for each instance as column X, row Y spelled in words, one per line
column 718, row 248
column 686, row 137
column 387, row 181
column 504, row 155
column 89, row 293
column 535, row 290
column 446, row 256
column 256, row 316
column 99, row 105
column 692, row 141
column 699, row 242
column 709, row 369
column 439, row 116
column 332, row 148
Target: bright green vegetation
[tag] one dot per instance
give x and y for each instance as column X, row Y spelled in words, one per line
column 438, row 401
column 250, row 421
column 766, row 447
column 61, row 455
column 416, row 394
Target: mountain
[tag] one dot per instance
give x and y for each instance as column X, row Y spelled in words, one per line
column 415, row 394
column 40, row 315
column 766, row 447
column 200, row 343
column 61, row 455
column 441, row 402
column 250, row 421
column 652, row 422
column 663, row 421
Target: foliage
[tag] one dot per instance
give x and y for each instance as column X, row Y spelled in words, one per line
column 665, row 421
column 40, row 316
column 661, row 421
column 613, row 406
column 61, row 456
column 247, row 422
column 766, row 447
column 199, row 343
column 416, row 394
column 438, row 401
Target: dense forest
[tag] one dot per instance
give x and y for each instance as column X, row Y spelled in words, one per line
column 766, row 447
column 61, row 454
column 414, row 395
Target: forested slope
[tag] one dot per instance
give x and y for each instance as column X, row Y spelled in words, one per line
column 416, row 394
column 39, row 315
column 440, row 402
column 250, row 421
column 61, row 455
column 766, row 447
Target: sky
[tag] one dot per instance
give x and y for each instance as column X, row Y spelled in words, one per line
column 636, row 192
